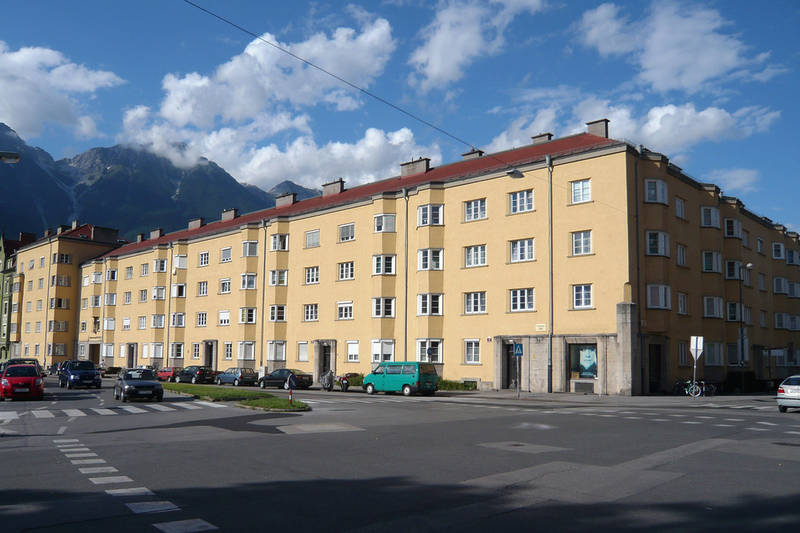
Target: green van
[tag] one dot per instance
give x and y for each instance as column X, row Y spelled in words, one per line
column 409, row 377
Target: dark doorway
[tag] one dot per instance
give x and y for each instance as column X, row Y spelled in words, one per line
column 94, row 353
column 654, row 360
column 326, row 358
column 509, row 367
column 131, row 355
column 208, row 354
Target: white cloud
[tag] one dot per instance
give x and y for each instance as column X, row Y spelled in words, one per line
column 461, row 32
column 40, row 85
column 676, row 46
column 735, row 180
column 521, row 130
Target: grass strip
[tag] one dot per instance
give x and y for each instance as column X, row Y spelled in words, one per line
column 216, row 393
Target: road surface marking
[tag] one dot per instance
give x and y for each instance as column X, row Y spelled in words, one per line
column 70, row 445
column 734, row 420
column 705, row 417
column 678, row 415
column 87, row 461
column 186, row 405
column 792, row 432
column 185, row 526
column 62, row 430
column 65, row 440
column 8, row 415
column 134, row 491
column 131, row 409
column 633, row 417
column 70, row 450
column 98, row 470
column 152, row 507
column 659, row 419
column 159, row 407
column 690, row 422
column 42, row 414
column 103, row 411
column 73, row 412
column 767, row 423
column 723, row 425
column 757, row 429
column 110, row 479
column 209, row 404
column 79, row 455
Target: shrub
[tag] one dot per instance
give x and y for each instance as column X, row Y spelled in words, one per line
column 447, row 384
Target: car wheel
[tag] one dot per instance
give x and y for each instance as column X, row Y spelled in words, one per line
column 262, row 384
column 123, row 397
column 235, row 382
column 116, row 394
column 160, row 398
column 219, row 381
column 61, row 384
column 69, row 384
column 782, row 408
column 370, row 388
column 406, row 390
column 194, row 379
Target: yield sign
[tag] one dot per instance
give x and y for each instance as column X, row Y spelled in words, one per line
column 696, row 347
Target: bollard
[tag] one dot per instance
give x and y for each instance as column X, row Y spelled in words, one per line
column 290, row 397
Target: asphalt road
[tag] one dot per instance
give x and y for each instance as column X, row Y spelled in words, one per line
column 80, row 461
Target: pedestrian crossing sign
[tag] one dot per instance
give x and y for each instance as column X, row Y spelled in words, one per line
column 517, row 349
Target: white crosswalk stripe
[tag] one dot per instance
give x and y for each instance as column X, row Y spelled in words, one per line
column 8, row 415
column 73, row 412
column 186, row 405
column 159, row 407
column 40, row 413
column 131, row 409
column 209, row 404
column 101, row 411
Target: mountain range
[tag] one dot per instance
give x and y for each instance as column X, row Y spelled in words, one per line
column 123, row 187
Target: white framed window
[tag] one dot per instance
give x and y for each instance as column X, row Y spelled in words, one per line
column 683, row 353
column 111, row 298
column 278, row 277
column 475, row 210
column 778, row 250
column 383, row 307
column 202, row 288
column 279, row 242
column 111, row 274
column 429, row 350
column 126, row 324
column 732, row 312
column 312, row 275
column 344, row 310
column 680, row 253
column 247, row 350
column 225, row 285
column 709, row 217
column 276, row 350
column 474, row 302
column 657, row 243
column 712, row 307
column 126, row 297
column 780, row 320
column 311, row 312
column 760, row 245
column 429, row 304
column 472, row 351
column 780, row 285
column 249, row 248
column 176, row 350
column 97, row 278
column 520, row 201
column 429, row 259
column 202, row 259
column 195, row 350
column 347, row 232
column 475, row 255
column 346, row 270
column 384, row 223
column 712, row 261
column 312, row 238
column 429, row 215
column 159, row 293
column 658, row 296
column 582, row 296
column 224, row 318
column 248, row 281
column 202, row 319
column 228, row 350
column 581, row 191
column 680, row 208
column 142, row 322
column 352, row 351
column 683, row 303
column 302, row 351
column 655, row 191
column 145, row 267
column 383, row 264
column 277, row 313
column 109, row 324
column 179, row 290
column 178, row 320
column 157, row 321
column 712, row 351
column 732, row 269
column 733, row 228
column 382, row 350
column 247, row 315
column 108, row 350
column 522, row 250
column 143, row 295
column 180, row 262
column 582, row 242
column 745, row 238
column 522, row 299
column 159, row 265
column 225, row 255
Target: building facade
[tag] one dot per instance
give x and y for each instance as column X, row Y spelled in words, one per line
column 599, row 259
column 8, row 269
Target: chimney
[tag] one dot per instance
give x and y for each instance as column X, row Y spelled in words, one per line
column 27, row 237
column 48, row 232
column 229, row 214
column 74, row 224
column 140, row 237
column 62, row 228
column 423, row 164
column 474, row 153
column 334, row 187
column 542, row 138
column 156, row 233
column 196, row 223
column 285, row 199
column 598, row 127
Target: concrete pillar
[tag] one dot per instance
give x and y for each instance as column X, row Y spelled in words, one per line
column 625, row 377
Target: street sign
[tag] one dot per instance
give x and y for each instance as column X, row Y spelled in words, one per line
column 517, row 350
column 696, row 347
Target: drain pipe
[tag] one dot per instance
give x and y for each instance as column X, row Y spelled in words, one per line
column 405, row 281
column 549, row 163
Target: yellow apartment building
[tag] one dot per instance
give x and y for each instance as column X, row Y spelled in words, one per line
column 599, row 259
column 45, row 291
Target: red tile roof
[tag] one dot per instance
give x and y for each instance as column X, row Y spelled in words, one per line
column 583, row 142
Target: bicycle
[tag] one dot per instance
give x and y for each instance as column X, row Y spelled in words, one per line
column 688, row 387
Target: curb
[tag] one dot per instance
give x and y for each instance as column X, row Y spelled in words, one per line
column 273, row 409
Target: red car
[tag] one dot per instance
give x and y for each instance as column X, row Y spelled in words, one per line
column 21, row 381
column 168, row 373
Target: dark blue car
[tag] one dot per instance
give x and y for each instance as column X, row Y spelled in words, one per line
column 79, row 374
column 237, row 376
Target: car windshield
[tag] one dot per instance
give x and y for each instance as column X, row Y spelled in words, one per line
column 427, row 369
column 83, row 365
column 794, row 380
column 21, row 371
column 139, row 373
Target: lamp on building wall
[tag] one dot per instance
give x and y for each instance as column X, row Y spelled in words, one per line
column 748, row 266
column 9, row 157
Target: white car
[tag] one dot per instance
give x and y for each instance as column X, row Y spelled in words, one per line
column 789, row 393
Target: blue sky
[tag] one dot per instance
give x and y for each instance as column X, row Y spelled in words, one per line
column 711, row 84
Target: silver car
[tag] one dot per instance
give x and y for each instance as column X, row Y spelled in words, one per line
column 789, row 393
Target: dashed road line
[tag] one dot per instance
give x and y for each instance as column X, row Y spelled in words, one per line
column 78, row 449
column 132, row 491
column 98, row 470
column 110, row 479
column 152, row 507
column 63, row 441
column 185, row 526
column 756, row 429
column 88, row 461
column 79, row 455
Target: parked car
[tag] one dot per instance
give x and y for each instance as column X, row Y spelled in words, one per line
column 195, row 374
column 138, row 383
column 278, row 377
column 22, row 361
column 21, row 381
column 237, row 376
column 408, row 377
column 789, row 393
column 168, row 373
column 79, row 374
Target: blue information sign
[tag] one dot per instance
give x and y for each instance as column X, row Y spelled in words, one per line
column 517, row 350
